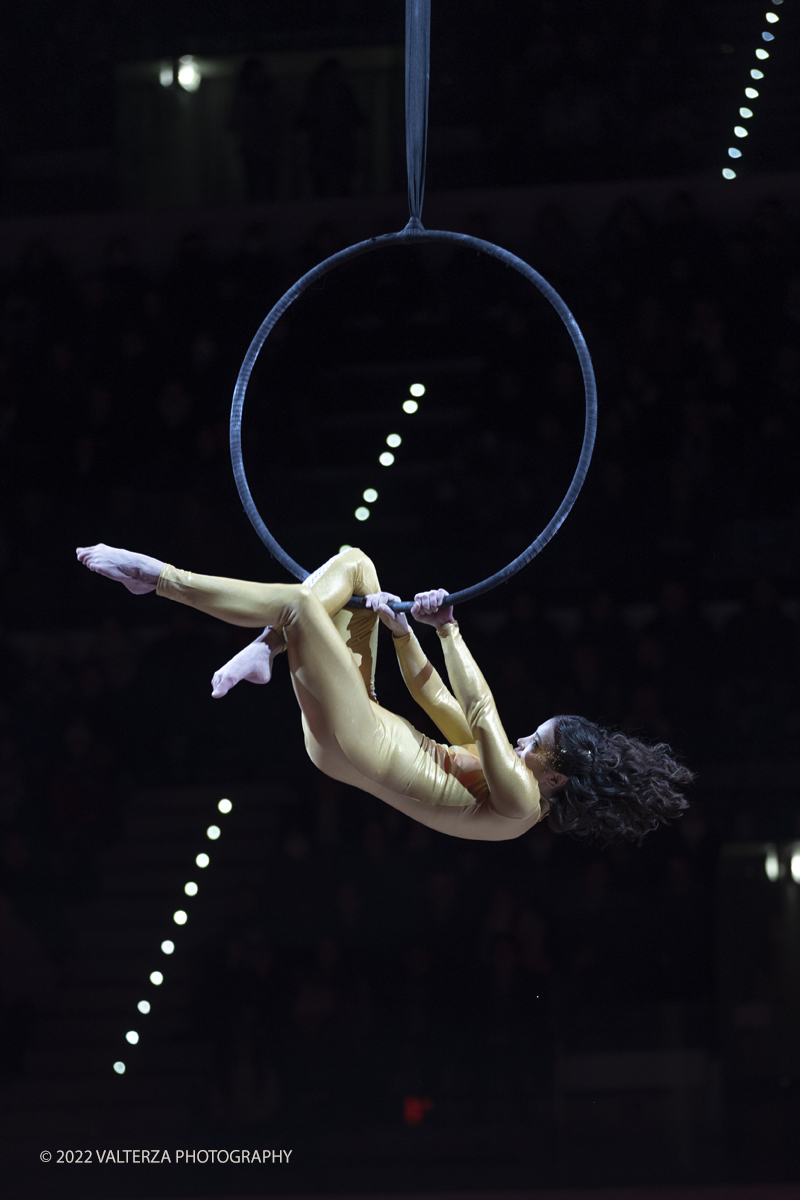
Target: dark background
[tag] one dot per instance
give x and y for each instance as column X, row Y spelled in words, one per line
column 401, row 1009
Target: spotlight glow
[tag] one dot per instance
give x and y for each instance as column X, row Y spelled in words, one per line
column 762, row 54
column 213, row 832
column 740, row 131
column 795, row 867
column 167, row 946
column 751, row 93
column 756, row 74
column 772, row 18
column 179, row 917
column 188, row 74
column 410, row 406
column 386, row 459
column 132, row 1037
column 202, row 860
column 157, row 978
column 768, row 37
column 394, row 440
column 190, row 888
column 119, row 1067
column 166, row 75
column 771, row 865
column 734, row 153
column 144, row 1006
column 418, row 389
column 370, row 495
column 362, row 513
column 745, row 112
column 728, row 173
column 224, row 806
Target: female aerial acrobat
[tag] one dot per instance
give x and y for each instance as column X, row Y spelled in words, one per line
column 590, row 781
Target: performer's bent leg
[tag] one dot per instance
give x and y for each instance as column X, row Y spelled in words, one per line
column 336, row 708
column 242, row 603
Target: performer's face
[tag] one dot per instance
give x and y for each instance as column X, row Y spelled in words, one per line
column 534, row 751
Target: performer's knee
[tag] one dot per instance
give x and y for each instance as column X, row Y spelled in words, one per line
column 298, row 608
column 366, row 574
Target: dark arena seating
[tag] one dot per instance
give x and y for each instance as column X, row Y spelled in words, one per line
column 406, row 1012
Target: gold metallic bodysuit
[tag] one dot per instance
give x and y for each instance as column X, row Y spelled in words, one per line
column 476, row 787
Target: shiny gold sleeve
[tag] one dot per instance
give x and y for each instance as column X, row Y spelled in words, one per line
column 513, row 789
column 430, row 693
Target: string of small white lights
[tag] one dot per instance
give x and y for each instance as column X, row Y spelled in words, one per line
column 179, row 917
column 386, row 458
column 751, row 93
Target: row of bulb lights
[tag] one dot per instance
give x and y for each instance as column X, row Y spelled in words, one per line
column 179, row 917
column 751, row 93
column 386, row 457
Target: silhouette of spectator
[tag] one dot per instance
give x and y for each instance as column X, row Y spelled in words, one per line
column 298, row 888
column 173, row 443
column 332, row 116
column 627, row 245
column 82, row 790
column 758, row 641
column 416, row 1016
column 682, row 936
column 118, row 653
column 252, row 282
column 590, row 938
column 26, row 982
column 171, row 691
column 530, row 935
column 259, row 119
column 646, row 715
column 556, row 246
column 348, row 919
column 240, row 1001
column 13, row 780
column 345, row 985
column 603, row 625
column 573, row 120
column 27, row 881
column 191, row 290
column 775, row 237
column 511, row 1006
column 499, row 920
column 43, row 283
column 95, row 442
column 125, row 284
column 688, row 647
column 689, row 247
column 313, row 1055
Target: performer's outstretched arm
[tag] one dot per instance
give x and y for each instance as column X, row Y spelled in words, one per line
column 422, row 679
column 430, row 692
column 513, row 788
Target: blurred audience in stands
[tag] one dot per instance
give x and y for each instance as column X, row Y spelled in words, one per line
column 670, row 619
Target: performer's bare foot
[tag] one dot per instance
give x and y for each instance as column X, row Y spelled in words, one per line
column 254, row 664
column 138, row 572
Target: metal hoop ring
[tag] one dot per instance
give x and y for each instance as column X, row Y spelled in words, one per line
column 414, row 233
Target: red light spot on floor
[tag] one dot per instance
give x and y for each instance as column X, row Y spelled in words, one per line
column 414, row 1109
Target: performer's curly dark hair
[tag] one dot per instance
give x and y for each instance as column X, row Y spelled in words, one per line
column 618, row 788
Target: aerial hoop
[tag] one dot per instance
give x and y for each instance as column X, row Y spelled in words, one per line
column 415, row 233
column 418, row 22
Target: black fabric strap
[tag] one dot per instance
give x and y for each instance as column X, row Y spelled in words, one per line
column 418, row 67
